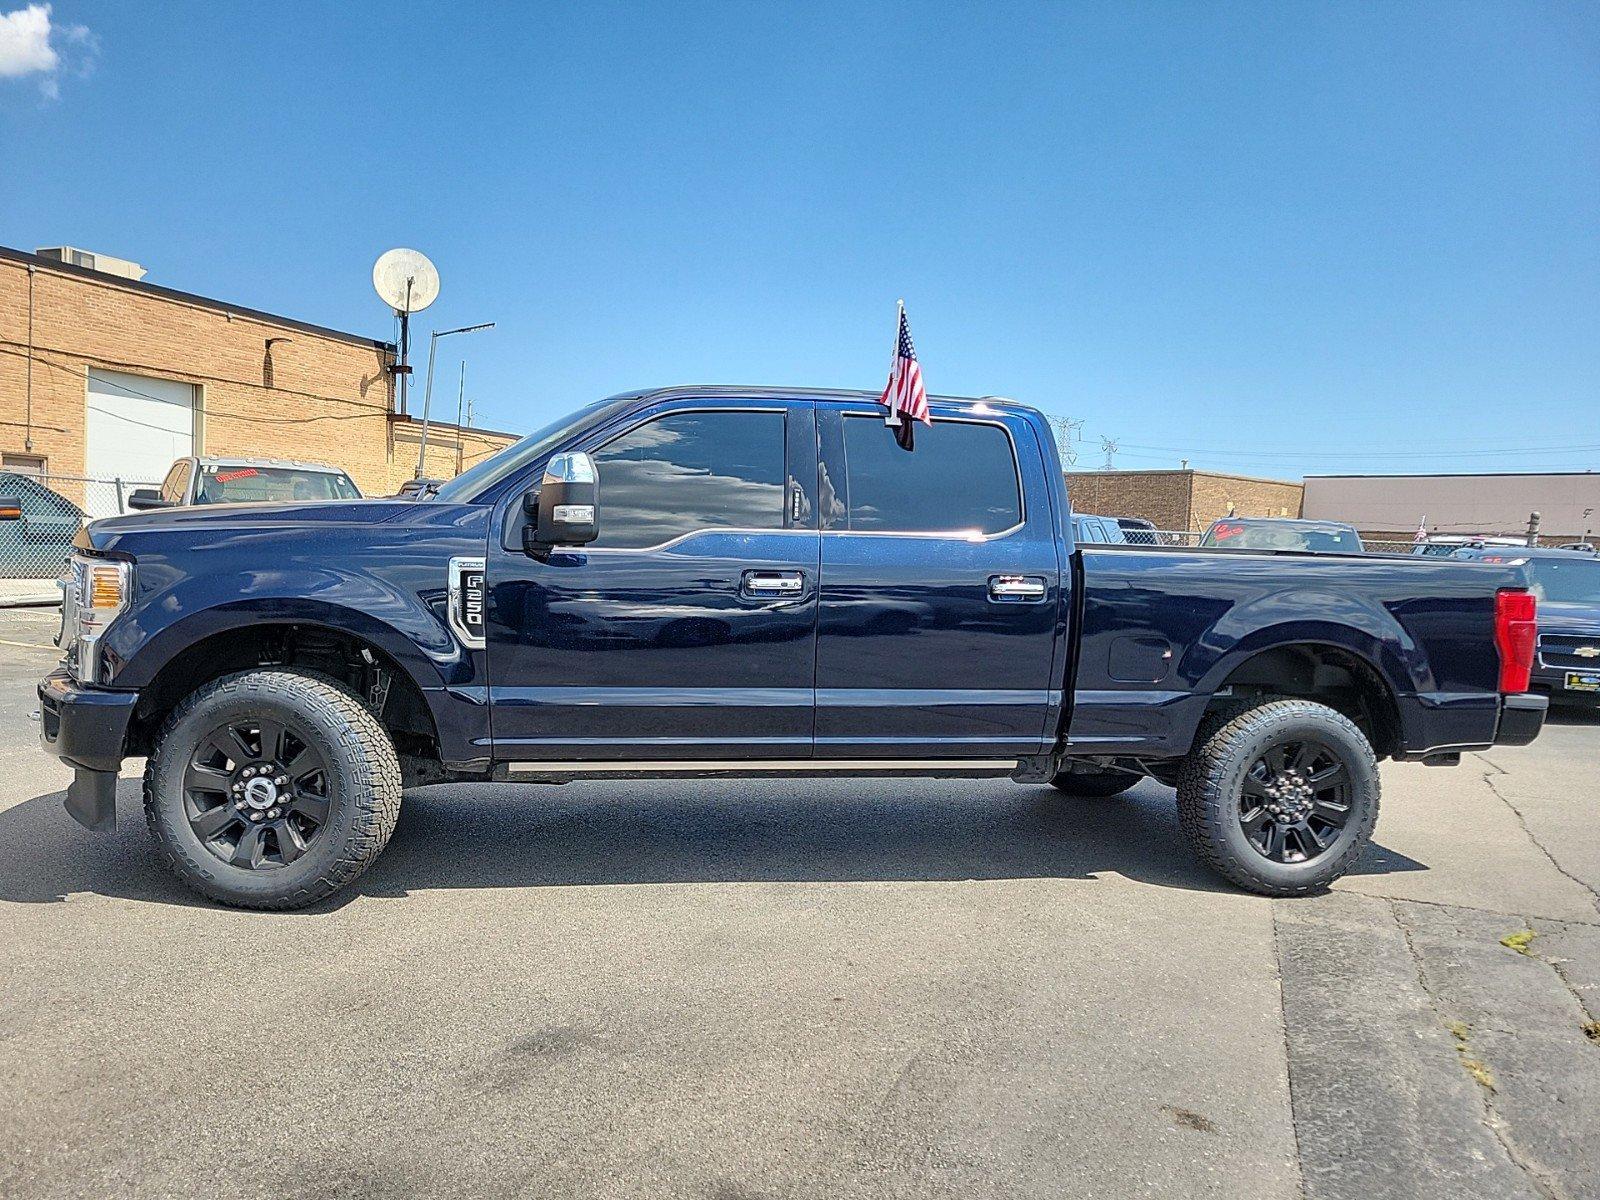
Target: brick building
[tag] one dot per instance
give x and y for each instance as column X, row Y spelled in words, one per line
column 1181, row 499
column 105, row 376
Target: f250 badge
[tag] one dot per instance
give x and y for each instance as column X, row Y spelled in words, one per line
column 468, row 594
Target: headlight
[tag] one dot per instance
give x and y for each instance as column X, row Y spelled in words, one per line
column 100, row 590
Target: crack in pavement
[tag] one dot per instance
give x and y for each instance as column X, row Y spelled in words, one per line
column 1522, row 821
column 1492, row 1120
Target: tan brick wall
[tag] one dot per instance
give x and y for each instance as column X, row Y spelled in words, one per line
column 1158, row 496
column 1214, row 494
column 1180, row 499
column 320, row 398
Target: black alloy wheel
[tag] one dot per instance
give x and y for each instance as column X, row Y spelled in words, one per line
column 256, row 793
column 1280, row 797
column 1295, row 801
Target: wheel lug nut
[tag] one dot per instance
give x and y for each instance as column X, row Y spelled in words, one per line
column 281, row 780
column 255, row 816
column 273, row 813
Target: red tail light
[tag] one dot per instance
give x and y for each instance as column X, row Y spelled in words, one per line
column 1514, row 636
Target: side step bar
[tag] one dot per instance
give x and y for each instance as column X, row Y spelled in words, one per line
column 676, row 768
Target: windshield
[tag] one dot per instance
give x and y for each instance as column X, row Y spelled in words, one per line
column 1562, row 582
column 243, row 485
column 478, row 478
column 1281, row 535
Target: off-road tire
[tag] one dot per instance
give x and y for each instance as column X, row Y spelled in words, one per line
column 1211, row 780
column 1094, row 785
column 364, row 787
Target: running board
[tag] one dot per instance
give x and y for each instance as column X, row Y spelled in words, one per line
column 798, row 767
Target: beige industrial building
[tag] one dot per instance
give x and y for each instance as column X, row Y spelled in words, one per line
column 1393, row 506
column 107, row 377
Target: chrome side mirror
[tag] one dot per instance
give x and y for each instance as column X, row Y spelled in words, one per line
column 566, row 508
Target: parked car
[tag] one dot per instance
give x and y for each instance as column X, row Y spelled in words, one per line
column 1097, row 530
column 1445, row 545
column 732, row 582
column 1567, row 586
column 1580, row 547
column 244, row 481
column 36, row 528
column 1139, row 531
column 1282, row 533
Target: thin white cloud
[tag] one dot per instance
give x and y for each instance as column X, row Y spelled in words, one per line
column 32, row 45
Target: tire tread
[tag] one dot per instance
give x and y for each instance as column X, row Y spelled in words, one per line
column 1205, row 806
column 370, row 757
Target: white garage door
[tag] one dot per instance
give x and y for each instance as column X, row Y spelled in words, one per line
column 136, row 427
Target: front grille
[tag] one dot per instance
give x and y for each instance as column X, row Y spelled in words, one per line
column 1578, row 650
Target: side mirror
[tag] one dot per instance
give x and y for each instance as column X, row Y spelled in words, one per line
column 566, row 506
column 10, row 508
column 141, row 499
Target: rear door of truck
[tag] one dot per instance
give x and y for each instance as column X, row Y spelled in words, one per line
column 942, row 603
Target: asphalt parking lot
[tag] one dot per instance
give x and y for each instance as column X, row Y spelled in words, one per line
column 749, row 989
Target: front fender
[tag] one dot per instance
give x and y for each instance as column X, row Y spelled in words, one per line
column 137, row 649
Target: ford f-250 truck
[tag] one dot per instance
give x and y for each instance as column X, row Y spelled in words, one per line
column 737, row 581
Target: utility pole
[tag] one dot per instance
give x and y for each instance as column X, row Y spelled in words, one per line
column 461, row 391
column 1110, row 447
column 1533, row 529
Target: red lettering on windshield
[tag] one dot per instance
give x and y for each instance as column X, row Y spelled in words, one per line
column 1222, row 532
column 230, row 476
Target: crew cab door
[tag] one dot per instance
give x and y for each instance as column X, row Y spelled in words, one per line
column 687, row 630
column 942, row 623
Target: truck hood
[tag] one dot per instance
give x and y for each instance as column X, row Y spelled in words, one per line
column 1552, row 617
column 200, row 519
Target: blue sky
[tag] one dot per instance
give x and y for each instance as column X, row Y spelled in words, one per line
column 1275, row 239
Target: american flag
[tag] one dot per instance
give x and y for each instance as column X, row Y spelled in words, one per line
column 904, row 395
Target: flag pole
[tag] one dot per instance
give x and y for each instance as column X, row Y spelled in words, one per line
column 891, row 418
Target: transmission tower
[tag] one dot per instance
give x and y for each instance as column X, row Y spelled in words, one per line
column 1067, row 431
column 1110, row 448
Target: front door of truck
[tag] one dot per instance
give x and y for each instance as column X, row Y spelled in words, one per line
column 688, row 629
column 941, row 631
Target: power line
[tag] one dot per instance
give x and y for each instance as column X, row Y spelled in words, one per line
column 1498, row 452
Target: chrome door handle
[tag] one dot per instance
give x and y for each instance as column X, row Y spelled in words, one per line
column 767, row 585
column 1016, row 589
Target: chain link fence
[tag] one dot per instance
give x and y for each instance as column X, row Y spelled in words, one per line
column 54, row 508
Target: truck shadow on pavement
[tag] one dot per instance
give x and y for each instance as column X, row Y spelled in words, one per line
column 679, row 831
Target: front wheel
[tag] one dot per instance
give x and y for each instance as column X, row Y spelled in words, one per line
column 271, row 789
column 1281, row 799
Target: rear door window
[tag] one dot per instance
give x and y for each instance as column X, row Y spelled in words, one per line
column 960, row 479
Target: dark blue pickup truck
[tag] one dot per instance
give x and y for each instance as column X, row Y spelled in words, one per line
column 715, row 581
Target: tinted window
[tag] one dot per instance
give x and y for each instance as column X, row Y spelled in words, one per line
column 689, row 471
column 961, row 478
column 177, row 482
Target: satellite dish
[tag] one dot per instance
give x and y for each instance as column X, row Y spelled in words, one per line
column 405, row 280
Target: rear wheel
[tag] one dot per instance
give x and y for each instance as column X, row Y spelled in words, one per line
column 1094, row 784
column 1280, row 799
column 271, row 789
